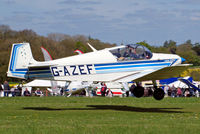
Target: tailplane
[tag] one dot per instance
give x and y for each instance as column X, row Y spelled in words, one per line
column 20, row 57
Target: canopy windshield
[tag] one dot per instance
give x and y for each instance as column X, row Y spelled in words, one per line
column 132, row 52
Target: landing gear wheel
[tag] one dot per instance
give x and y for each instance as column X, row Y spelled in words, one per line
column 138, row 92
column 158, row 94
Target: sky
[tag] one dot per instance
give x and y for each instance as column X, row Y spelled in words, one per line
column 113, row 21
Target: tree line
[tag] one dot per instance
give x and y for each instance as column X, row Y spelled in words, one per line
column 62, row 45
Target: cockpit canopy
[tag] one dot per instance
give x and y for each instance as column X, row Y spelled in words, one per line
column 131, row 52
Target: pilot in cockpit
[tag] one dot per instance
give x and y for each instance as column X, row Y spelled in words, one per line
column 133, row 54
column 127, row 53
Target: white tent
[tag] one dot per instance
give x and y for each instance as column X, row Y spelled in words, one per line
column 178, row 84
column 181, row 84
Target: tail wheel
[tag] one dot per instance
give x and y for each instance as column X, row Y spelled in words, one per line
column 158, row 94
column 138, row 91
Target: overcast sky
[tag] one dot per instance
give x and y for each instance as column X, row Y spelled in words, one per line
column 113, row 21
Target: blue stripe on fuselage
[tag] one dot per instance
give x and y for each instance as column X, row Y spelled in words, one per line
column 21, row 69
column 41, row 72
column 130, row 62
column 128, row 70
column 40, row 76
column 131, row 66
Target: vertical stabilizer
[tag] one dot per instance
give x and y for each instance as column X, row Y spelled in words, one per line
column 47, row 56
column 20, row 58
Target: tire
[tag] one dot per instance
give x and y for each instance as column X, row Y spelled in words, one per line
column 138, row 92
column 158, row 94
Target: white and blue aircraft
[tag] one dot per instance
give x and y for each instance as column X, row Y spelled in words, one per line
column 121, row 64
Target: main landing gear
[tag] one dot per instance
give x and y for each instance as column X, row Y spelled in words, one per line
column 158, row 93
column 138, row 91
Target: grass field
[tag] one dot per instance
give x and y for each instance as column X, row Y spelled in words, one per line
column 56, row 115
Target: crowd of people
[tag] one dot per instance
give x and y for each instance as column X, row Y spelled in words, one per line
column 172, row 91
column 6, row 90
column 179, row 92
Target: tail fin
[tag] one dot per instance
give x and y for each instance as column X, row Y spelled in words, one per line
column 20, row 58
column 46, row 54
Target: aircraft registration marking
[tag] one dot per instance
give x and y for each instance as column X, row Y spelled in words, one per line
column 72, row 70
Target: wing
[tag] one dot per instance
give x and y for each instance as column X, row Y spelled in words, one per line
column 158, row 74
column 167, row 72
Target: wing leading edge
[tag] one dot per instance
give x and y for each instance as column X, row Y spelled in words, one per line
column 167, row 72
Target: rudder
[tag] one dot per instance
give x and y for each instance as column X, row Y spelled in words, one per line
column 20, row 58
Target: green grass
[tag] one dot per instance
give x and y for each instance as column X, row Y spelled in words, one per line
column 56, row 115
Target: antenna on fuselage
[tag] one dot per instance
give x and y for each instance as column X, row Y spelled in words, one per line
column 93, row 49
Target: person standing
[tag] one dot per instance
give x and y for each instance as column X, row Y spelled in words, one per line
column 27, row 93
column 131, row 90
column 103, row 89
column 166, row 89
column 197, row 93
column 179, row 92
column 173, row 91
column 6, row 88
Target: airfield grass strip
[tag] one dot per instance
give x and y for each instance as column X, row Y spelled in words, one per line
column 50, row 115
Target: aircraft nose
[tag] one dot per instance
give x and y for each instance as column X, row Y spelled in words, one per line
column 182, row 60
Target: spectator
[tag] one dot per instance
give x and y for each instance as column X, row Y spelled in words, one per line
column 12, row 91
column 6, row 88
column 103, row 89
column 179, row 92
column 169, row 91
column 38, row 92
column 192, row 93
column 166, row 88
column 173, row 91
column 94, row 92
column 19, row 90
column 197, row 93
column 187, row 93
column 132, row 89
column 27, row 93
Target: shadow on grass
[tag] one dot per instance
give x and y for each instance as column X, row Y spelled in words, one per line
column 111, row 107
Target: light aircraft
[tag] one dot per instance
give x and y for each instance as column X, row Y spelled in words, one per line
column 117, row 64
